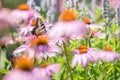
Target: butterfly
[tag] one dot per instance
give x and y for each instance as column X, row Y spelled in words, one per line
column 39, row 29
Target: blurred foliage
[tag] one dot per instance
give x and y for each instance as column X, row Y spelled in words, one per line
column 12, row 4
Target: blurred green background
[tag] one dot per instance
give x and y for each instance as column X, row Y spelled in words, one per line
column 12, row 4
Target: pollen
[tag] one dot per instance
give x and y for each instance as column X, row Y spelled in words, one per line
column 33, row 23
column 23, row 7
column 86, row 20
column 83, row 49
column 41, row 40
column 44, row 65
column 68, row 15
column 24, row 63
column 108, row 48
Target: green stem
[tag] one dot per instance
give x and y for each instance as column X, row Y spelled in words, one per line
column 115, row 72
column 12, row 34
column 101, row 77
column 107, row 25
column 86, row 73
column 67, row 60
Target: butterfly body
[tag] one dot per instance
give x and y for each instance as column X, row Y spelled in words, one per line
column 39, row 29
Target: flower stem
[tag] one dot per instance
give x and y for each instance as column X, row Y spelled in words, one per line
column 86, row 73
column 115, row 72
column 101, row 77
column 12, row 34
column 67, row 60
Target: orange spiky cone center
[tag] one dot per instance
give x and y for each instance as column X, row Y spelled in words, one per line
column 83, row 49
column 41, row 40
column 24, row 63
column 23, row 7
column 107, row 48
column 68, row 15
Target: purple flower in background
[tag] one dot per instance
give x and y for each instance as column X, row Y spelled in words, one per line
column 98, row 34
column 6, row 19
column 108, row 55
column 25, row 70
column 24, row 13
column 45, row 72
column 92, row 29
column 40, row 47
column 84, row 55
column 68, row 27
column 17, row 74
column 115, row 3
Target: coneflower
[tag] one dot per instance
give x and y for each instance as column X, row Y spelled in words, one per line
column 84, row 55
column 108, row 55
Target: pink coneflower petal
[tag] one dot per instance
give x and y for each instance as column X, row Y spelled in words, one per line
column 93, row 26
column 115, row 3
column 93, row 54
column 84, row 56
column 74, row 61
column 41, row 74
column 26, row 30
column 20, row 49
column 53, row 68
column 68, row 29
column 109, row 56
column 6, row 20
column 46, row 72
column 38, row 47
column 84, row 60
column 25, row 49
column 24, row 15
column 19, row 75
column 99, row 34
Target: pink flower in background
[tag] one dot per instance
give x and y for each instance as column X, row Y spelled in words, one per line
column 68, row 26
column 40, row 47
column 115, row 3
column 84, row 55
column 108, row 55
column 25, row 29
column 95, row 26
column 8, row 40
column 92, row 29
column 17, row 74
column 35, row 74
column 24, row 70
column 24, row 13
column 98, row 34
column 6, row 19
column 45, row 72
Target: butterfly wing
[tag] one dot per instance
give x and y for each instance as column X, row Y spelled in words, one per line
column 40, row 28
